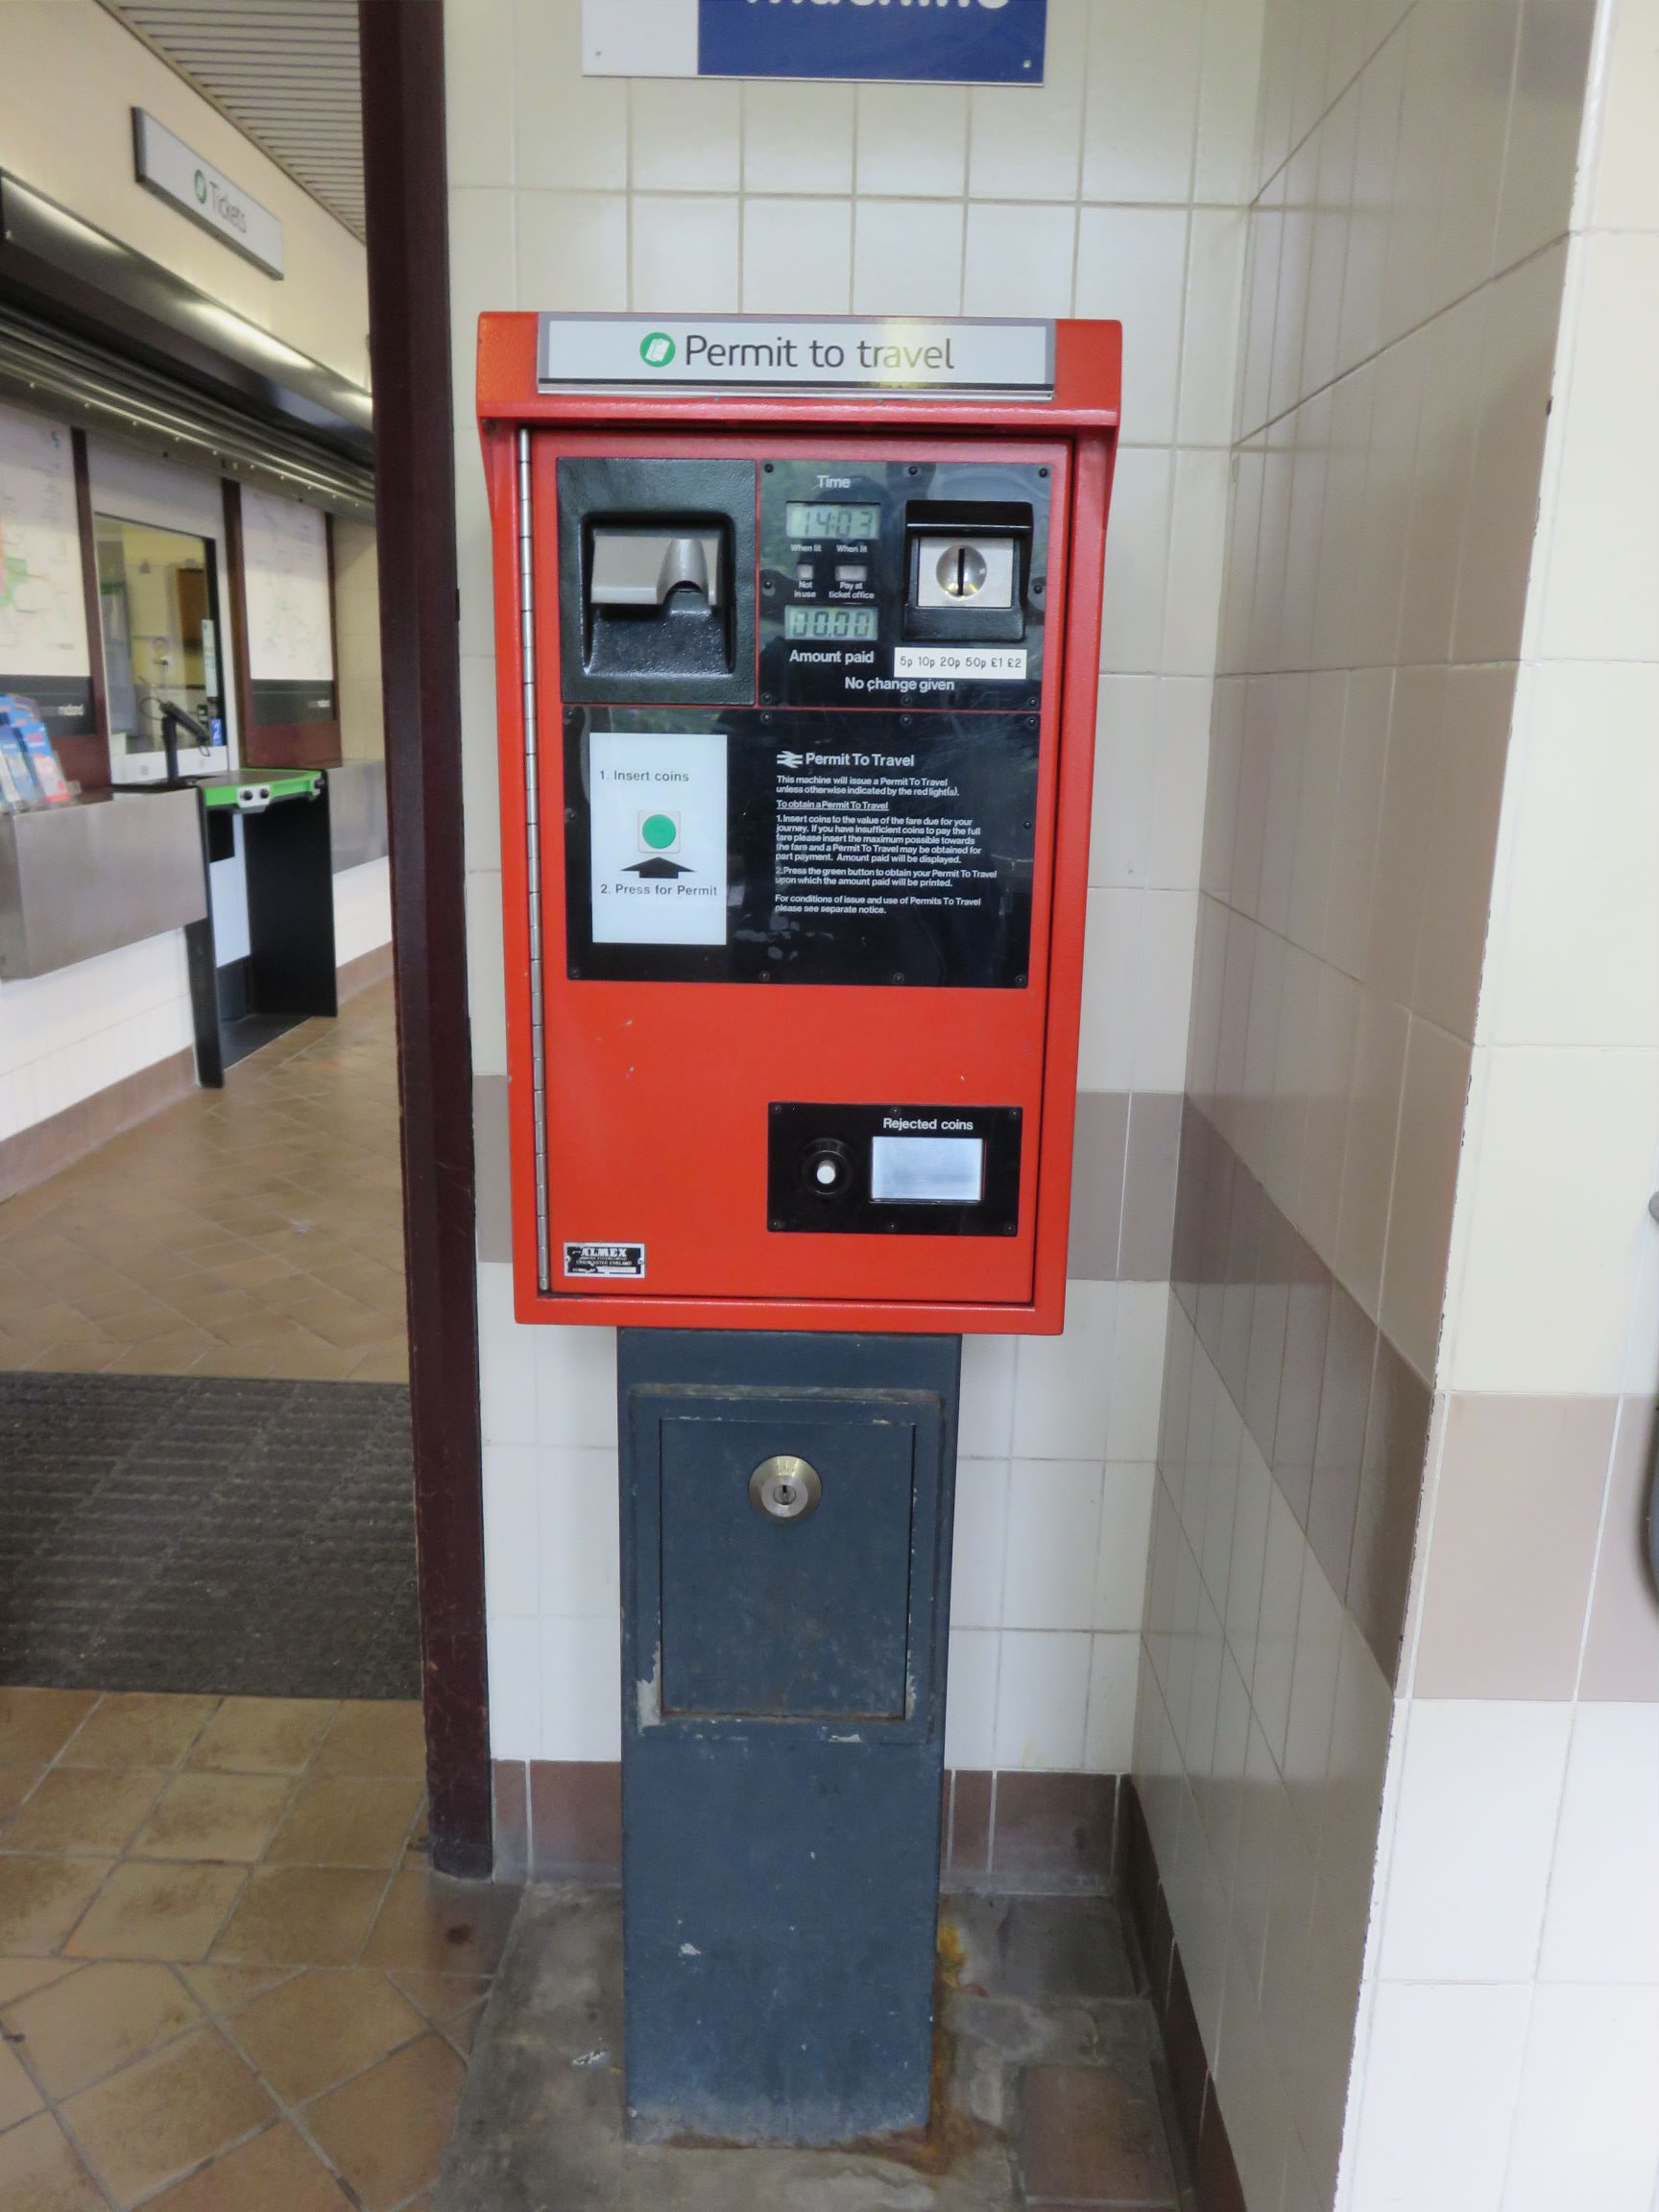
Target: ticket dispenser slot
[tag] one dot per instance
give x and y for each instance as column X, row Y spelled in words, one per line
column 969, row 571
column 656, row 583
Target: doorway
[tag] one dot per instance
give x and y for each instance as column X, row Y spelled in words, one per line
column 159, row 611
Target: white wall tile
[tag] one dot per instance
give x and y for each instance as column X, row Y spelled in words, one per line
column 1043, row 1700
column 1125, row 1533
column 1019, row 260
column 798, row 138
column 684, row 255
column 1587, row 2128
column 1179, row 782
column 1114, row 1672
column 987, row 1415
column 1276, row 1629
column 971, row 1703
column 1023, row 141
column 1603, row 1919
column 1137, row 560
column 1197, row 538
column 1143, row 1321
column 578, row 1532
column 478, row 78
column 1126, row 745
column 1478, row 1799
column 907, row 257
column 1132, row 267
column 1547, row 109
column 1442, row 2071
column 486, row 984
column 572, row 251
column 1210, row 333
column 685, row 133
column 978, row 1549
column 1052, row 1544
column 580, row 1697
column 1110, row 980
column 1140, row 123
column 1541, row 1291
column 506, row 1361
column 511, row 1541
column 1063, row 1384
column 1576, row 959
column 1224, row 167
column 575, row 1386
column 514, row 1660
column 913, row 139
column 797, row 257
column 567, row 130
column 1503, row 490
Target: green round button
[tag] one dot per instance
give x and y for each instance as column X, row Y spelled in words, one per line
column 658, row 831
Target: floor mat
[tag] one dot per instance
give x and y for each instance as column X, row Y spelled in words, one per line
column 252, row 1538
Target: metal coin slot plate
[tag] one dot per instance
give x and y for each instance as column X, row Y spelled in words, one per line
column 786, row 1487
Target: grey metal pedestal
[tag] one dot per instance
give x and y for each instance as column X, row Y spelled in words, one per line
column 786, row 1505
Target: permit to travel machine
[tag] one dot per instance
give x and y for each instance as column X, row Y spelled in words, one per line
column 797, row 628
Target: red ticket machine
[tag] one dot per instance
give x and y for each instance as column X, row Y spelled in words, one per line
column 797, row 635
column 797, row 628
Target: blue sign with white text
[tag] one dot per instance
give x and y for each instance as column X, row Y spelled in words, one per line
column 923, row 41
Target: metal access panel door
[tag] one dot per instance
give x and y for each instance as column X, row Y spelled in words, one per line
column 786, row 1515
column 812, row 1617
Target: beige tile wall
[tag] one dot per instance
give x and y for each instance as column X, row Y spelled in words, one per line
column 1407, row 254
column 1117, row 189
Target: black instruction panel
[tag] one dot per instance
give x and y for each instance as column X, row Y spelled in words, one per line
column 777, row 846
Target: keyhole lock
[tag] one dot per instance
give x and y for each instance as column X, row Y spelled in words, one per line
column 962, row 571
column 785, row 1487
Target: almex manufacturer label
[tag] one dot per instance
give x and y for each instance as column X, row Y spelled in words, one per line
column 609, row 1260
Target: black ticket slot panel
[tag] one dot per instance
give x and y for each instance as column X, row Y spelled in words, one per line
column 657, row 582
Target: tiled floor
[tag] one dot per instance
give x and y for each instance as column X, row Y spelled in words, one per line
column 255, row 1230
column 229, row 1980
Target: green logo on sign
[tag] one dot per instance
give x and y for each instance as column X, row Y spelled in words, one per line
column 656, row 350
column 658, row 831
column 201, row 188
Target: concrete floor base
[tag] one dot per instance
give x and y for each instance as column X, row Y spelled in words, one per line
column 1046, row 2034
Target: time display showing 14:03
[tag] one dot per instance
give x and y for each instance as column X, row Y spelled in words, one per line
column 826, row 519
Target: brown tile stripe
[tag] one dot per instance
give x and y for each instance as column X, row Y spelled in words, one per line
column 35, row 1154
column 1335, row 1410
column 1122, row 1181
column 1123, row 1185
column 1197, row 2109
column 561, row 1820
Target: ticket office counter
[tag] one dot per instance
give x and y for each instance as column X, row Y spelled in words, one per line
column 113, row 869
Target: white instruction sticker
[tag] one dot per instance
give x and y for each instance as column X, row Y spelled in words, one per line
column 605, row 1260
column 962, row 663
column 657, row 828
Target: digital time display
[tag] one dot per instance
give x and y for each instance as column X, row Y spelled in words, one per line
column 814, row 518
column 832, row 622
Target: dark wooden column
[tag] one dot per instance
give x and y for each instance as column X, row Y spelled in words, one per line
column 402, row 49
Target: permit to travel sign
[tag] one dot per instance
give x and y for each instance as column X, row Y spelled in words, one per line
column 796, row 353
column 910, row 42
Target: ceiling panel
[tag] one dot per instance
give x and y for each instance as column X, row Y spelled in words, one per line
column 286, row 74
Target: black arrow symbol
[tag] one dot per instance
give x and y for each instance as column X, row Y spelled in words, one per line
column 657, row 868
